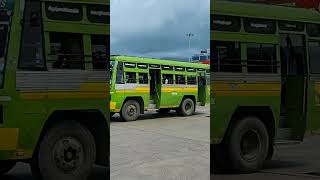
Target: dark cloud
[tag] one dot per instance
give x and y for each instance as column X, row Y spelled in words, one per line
column 158, row 28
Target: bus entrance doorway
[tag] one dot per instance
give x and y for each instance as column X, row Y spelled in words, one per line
column 293, row 88
column 155, row 88
column 202, row 84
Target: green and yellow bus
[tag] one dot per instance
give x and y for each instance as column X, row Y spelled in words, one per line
column 54, row 87
column 140, row 84
column 265, row 80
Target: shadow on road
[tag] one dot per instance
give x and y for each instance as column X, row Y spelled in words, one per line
column 277, row 164
column 153, row 115
column 17, row 177
column 269, row 165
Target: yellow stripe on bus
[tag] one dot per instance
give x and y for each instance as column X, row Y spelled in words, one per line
column 99, row 86
column 174, row 89
column 247, row 93
column 135, row 90
column 87, row 91
column 246, row 87
column 8, row 139
column 62, row 95
column 33, row 95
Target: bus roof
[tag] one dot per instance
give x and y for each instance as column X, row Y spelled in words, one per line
column 104, row 2
column 158, row 61
column 255, row 10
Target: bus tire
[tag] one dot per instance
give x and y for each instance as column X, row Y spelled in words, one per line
column 66, row 152
column 187, row 107
column 6, row 166
column 270, row 153
column 248, row 145
column 130, row 110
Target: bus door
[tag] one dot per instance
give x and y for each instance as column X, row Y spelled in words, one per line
column 294, row 85
column 155, row 88
column 202, row 84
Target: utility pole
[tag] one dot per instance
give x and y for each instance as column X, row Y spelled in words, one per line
column 189, row 35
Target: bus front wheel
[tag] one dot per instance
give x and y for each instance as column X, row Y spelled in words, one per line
column 130, row 110
column 66, row 152
column 248, row 145
column 6, row 166
column 187, row 107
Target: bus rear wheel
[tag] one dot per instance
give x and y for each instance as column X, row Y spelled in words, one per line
column 6, row 166
column 248, row 145
column 66, row 152
column 130, row 110
column 187, row 107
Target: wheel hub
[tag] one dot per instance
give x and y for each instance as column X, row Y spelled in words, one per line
column 131, row 110
column 250, row 145
column 68, row 154
column 188, row 107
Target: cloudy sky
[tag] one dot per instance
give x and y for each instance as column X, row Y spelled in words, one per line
column 158, row 28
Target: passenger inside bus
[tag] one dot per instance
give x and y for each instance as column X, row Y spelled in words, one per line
column 167, row 79
column 70, row 54
column 131, row 77
column 99, row 60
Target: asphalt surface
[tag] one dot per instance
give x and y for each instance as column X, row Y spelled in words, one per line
column 177, row 148
column 22, row 172
column 290, row 162
column 161, row 147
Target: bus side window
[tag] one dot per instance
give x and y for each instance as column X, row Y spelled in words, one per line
column 100, row 50
column 120, row 77
column 191, row 80
column 131, row 77
column 143, row 78
column 180, row 79
column 31, row 51
column 66, row 50
column 167, row 79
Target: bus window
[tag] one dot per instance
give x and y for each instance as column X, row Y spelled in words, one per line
column 167, row 78
column 131, row 77
column 111, row 69
column 143, row 78
column 227, row 57
column 292, row 54
column 31, row 53
column 66, row 51
column 191, row 80
column 99, row 51
column 120, row 77
column 314, row 54
column 261, row 58
column 5, row 19
column 180, row 79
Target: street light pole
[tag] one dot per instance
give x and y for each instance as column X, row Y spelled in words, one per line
column 189, row 35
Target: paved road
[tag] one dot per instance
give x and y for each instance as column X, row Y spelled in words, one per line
column 161, row 147
column 22, row 172
column 291, row 162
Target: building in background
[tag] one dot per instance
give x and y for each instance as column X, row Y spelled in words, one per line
column 203, row 57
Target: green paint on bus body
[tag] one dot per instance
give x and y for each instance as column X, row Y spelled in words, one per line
column 225, row 102
column 170, row 95
column 27, row 105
